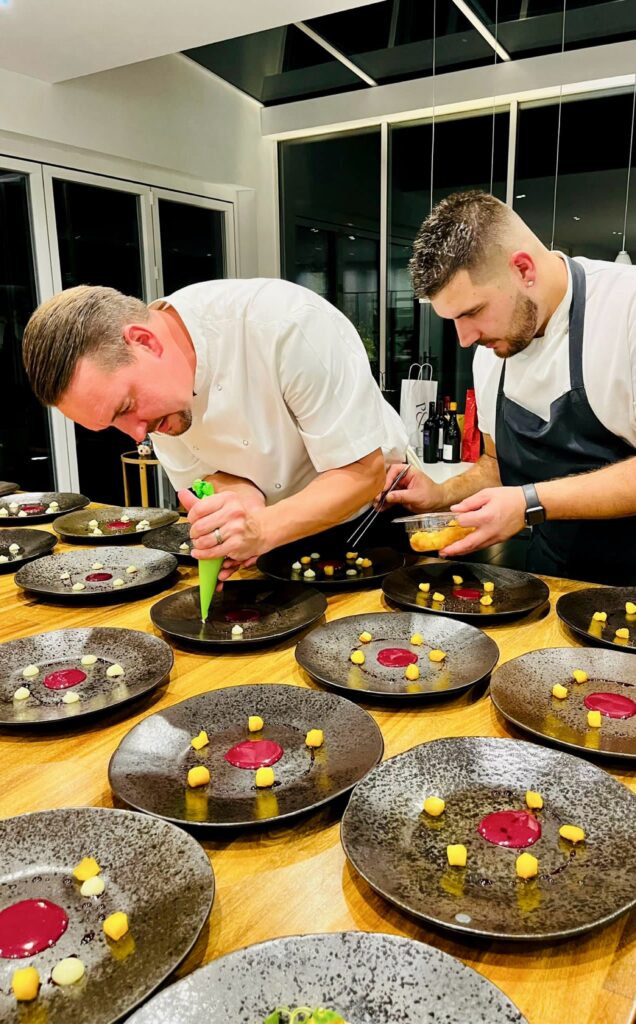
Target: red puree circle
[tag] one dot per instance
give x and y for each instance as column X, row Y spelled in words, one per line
column 98, row 577
column 510, row 828
column 254, row 754
column 242, row 615
column 337, row 566
column 396, row 657
column 467, row 594
column 64, row 678
column 30, row 926
column 117, row 524
column 33, row 509
column 612, row 705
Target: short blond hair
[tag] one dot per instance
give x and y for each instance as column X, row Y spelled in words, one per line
column 82, row 321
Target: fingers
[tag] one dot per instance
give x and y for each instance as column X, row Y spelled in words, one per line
column 399, row 497
column 471, row 504
column 187, row 499
column 474, row 542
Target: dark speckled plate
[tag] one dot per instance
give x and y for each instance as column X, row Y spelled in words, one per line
column 76, row 530
column 148, row 771
column 6, row 487
column 367, row 977
column 576, row 610
column 325, row 655
column 35, row 503
column 155, row 873
column 146, row 660
column 522, row 691
column 170, row 539
column 401, row 852
column 44, row 576
column 516, row 593
column 31, row 544
column 266, row 612
column 278, row 564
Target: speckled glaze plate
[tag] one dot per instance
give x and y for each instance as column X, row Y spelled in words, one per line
column 522, row 691
column 6, row 487
column 267, row 612
column 44, row 576
column 516, row 593
column 401, row 851
column 577, row 609
column 365, row 976
column 76, row 530
column 148, row 771
column 325, row 655
column 157, row 874
column 31, row 544
column 278, row 564
column 147, row 662
column 35, row 504
column 170, row 539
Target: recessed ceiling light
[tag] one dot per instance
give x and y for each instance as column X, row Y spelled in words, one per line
column 576, row 218
column 521, row 195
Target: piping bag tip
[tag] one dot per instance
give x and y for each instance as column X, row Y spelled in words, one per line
column 209, row 568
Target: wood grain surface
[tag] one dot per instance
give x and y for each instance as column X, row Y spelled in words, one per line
column 296, row 879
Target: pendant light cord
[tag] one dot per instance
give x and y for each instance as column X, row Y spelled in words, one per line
column 494, row 99
column 558, row 146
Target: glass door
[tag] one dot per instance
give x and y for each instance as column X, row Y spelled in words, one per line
column 101, row 235
column 26, row 449
column 194, row 239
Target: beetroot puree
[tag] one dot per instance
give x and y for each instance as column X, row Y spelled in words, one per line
column 30, row 926
column 510, row 828
column 254, row 754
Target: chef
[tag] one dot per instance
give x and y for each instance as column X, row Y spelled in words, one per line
column 260, row 386
column 555, row 384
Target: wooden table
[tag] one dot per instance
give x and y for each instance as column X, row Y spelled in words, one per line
column 296, row 879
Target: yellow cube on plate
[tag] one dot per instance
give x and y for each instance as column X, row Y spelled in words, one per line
column 485, row 599
column 560, row 692
column 579, row 675
column 436, row 655
column 200, row 741
column 315, row 738
column 417, row 639
column 424, row 587
column 357, row 657
column 600, row 616
column 526, row 865
column 572, row 833
column 198, row 776
column 489, row 587
column 365, row 637
column 534, row 800
column 87, row 868
column 116, row 925
column 434, row 805
column 412, row 672
column 622, row 634
column 264, row 777
column 25, row 983
column 457, row 855
column 255, row 723
column 438, row 597
column 630, row 608
column 457, row 580
column 594, row 719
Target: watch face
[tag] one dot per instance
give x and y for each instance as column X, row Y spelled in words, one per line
column 536, row 515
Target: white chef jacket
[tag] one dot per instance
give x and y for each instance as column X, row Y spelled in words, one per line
column 283, row 389
column 541, row 373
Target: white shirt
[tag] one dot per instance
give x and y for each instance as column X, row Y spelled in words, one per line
column 283, row 389
column 541, row 373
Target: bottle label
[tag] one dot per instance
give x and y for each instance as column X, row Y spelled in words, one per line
column 448, row 453
column 440, row 438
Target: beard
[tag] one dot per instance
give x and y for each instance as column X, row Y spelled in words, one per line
column 183, row 422
column 521, row 330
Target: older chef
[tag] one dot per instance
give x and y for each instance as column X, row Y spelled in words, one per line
column 259, row 385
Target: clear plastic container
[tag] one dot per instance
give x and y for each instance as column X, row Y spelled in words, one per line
column 433, row 531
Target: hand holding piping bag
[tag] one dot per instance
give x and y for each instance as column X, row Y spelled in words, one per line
column 209, row 567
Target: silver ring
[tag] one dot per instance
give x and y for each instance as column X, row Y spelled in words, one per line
column 218, row 537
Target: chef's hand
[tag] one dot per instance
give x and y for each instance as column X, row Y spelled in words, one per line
column 239, row 527
column 497, row 513
column 415, row 490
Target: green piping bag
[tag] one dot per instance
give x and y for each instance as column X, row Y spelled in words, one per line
column 208, row 567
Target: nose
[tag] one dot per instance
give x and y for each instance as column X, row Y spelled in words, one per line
column 466, row 334
column 135, row 428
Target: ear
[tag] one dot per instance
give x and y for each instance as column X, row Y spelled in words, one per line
column 142, row 335
column 524, row 268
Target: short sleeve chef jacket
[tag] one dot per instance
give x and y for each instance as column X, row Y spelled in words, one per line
column 541, row 373
column 283, row 389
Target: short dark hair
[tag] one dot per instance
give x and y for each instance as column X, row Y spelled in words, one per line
column 461, row 233
column 81, row 321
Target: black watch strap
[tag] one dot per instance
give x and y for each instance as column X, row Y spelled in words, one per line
column 535, row 512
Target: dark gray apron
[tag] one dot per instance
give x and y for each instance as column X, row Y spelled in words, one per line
column 573, row 440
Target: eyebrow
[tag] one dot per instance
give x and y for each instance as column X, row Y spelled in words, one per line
column 119, row 410
column 469, row 312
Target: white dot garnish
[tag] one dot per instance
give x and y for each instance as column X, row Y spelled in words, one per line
column 463, row 918
column 78, row 586
column 30, row 671
column 88, row 659
column 70, row 698
column 114, row 670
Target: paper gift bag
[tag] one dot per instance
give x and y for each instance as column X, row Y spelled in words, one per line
column 418, row 389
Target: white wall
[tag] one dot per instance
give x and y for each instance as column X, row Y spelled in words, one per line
column 166, row 113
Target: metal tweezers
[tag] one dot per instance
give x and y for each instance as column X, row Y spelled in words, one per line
column 373, row 513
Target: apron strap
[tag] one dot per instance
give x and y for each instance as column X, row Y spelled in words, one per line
column 577, row 318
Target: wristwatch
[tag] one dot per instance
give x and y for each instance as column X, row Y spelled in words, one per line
column 535, row 512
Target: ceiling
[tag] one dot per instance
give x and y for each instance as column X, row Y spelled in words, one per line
column 59, row 39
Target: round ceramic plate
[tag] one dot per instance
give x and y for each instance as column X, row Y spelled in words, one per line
column 171, row 539
column 325, row 655
column 278, row 564
column 35, row 504
column 76, row 527
column 7, row 488
column 401, row 851
column 522, row 691
column 31, row 544
column 146, row 660
column 265, row 611
column 148, row 771
column 577, row 609
column 157, row 874
column 516, row 593
column 47, row 576
column 365, row 976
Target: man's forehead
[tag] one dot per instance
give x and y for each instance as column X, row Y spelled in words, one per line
column 458, row 297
